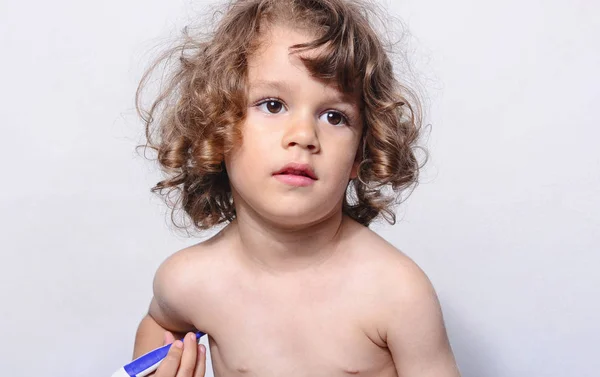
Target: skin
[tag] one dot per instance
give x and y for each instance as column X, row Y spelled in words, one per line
column 185, row 358
column 292, row 287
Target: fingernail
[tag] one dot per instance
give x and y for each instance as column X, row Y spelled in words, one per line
column 202, row 349
column 178, row 344
column 191, row 336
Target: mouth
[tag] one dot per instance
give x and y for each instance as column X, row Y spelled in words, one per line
column 299, row 170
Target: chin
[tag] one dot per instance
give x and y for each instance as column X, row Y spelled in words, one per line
column 290, row 210
column 297, row 216
column 292, row 216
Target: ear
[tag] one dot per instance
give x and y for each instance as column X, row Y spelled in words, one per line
column 354, row 171
column 356, row 164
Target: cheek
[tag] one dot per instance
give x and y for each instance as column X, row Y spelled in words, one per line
column 344, row 147
column 250, row 155
column 351, row 158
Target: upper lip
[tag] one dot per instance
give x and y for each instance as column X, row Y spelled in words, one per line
column 294, row 167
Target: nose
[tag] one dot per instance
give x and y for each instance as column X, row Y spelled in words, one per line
column 302, row 132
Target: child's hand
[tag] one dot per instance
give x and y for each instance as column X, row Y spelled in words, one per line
column 187, row 359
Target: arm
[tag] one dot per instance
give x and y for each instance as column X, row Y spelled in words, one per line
column 182, row 361
column 149, row 336
column 415, row 331
column 167, row 308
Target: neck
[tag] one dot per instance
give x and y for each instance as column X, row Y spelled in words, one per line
column 278, row 249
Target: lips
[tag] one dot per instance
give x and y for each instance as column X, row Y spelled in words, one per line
column 298, row 170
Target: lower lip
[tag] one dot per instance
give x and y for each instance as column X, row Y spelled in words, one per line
column 294, row 180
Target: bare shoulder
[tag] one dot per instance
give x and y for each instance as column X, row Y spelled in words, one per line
column 403, row 288
column 392, row 269
column 409, row 316
column 187, row 261
column 183, row 275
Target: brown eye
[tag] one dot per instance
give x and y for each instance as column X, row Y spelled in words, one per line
column 274, row 107
column 335, row 118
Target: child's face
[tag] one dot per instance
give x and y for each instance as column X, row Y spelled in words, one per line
column 292, row 118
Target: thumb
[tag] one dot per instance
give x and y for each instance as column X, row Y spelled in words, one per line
column 201, row 361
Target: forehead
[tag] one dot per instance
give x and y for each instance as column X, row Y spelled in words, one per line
column 272, row 56
column 274, row 66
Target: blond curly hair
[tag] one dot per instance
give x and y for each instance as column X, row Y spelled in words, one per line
column 194, row 121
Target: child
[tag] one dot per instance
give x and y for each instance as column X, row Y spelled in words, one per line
column 286, row 126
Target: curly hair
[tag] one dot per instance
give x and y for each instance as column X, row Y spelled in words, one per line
column 205, row 101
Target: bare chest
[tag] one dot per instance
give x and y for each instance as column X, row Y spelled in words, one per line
column 322, row 327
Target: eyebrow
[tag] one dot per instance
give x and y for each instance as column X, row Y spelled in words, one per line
column 283, row 86
column 267, row 84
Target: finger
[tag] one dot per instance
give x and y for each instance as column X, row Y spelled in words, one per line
column 168, row 338
column 188, row 359
column 201, row 361
column 168, row 367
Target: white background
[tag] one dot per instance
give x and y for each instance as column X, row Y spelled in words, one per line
column 505, row 222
